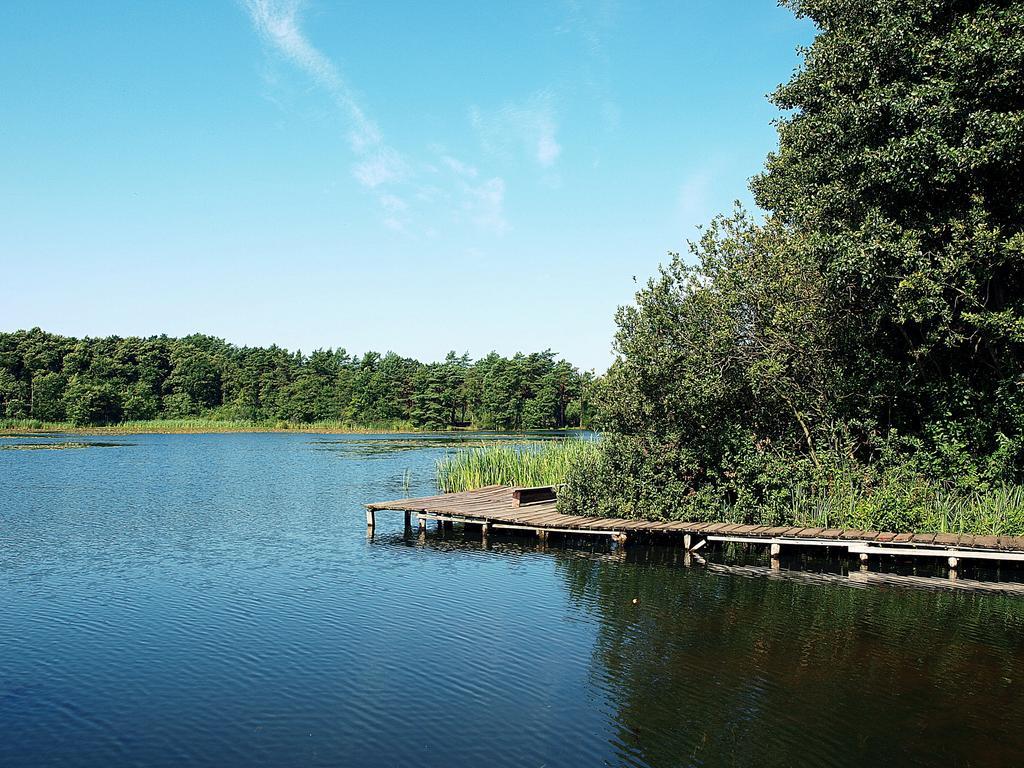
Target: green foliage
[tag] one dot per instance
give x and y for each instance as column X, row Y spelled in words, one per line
column 86, row 402
column 529, row 464
column 873, row 322
column 99, row 381
column 48, row 396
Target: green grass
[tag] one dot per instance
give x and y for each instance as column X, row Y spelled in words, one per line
column 909, row 506
column 201, row 425
column 527, row 464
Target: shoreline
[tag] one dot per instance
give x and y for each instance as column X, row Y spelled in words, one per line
column 200, row 427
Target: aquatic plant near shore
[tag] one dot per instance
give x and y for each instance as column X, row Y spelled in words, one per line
column 204, row 425
column 527, row 464
column 911, row 505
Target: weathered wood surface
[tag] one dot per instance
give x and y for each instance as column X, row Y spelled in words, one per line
column 501, row 504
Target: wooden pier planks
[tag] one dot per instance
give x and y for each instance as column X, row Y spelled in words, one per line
column 504, row 505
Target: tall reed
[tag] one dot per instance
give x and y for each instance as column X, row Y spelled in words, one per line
column 910, row 505
column 527, row 464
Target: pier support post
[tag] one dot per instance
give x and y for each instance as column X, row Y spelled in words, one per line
column 371, row 518
column 687, row 541
column 423, row 524
column 485, row 528
column 774, row 551
column 953, row 562
column 408, row 520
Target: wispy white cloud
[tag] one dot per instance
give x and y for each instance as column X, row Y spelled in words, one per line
column 529, row 127
column 439, row 185
column 377, row 164
column 385, row 166
column 485, row 204
column 460, row 168
column 277, row 21
column 481, row 203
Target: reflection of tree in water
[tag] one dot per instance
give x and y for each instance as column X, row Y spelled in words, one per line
column 712, row 669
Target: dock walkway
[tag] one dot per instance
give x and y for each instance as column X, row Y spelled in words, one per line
column 534, row 509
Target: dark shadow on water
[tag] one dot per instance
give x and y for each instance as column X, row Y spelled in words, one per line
column 816, row 663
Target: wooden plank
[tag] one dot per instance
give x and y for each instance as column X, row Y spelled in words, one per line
column 678, row 526
column 605, row 523
column 947, row 539
column 666, row 525
column 548, row 518
column 902, row 538
column 923, row 538
column 810, row 533
column 715, row 528
column 744, row 530
column 853, row 534
column 831, row 533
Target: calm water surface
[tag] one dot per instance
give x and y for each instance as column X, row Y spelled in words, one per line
column 214, row 600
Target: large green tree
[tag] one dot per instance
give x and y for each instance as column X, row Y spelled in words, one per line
column 876, row 314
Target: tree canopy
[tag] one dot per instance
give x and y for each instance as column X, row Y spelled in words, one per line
column 108, row 380
column 875, row 316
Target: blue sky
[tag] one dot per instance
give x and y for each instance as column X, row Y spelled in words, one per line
column 405, row 176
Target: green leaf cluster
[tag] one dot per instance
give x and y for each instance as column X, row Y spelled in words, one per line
column 874, row 318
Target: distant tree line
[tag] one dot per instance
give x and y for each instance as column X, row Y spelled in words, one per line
column 94, row 381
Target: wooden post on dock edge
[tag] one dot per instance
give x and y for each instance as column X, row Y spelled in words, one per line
column 371, row 518
column 687, row 541
column 775, row 550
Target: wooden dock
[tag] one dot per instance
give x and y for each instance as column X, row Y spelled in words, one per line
column 533, row 509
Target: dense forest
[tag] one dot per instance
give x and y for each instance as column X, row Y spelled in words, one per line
column 864, row 339
column 95, row 381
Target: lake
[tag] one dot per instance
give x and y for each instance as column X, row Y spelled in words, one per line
column 214, row 600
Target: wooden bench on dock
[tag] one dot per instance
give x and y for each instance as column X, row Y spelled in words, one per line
column 534, row 509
